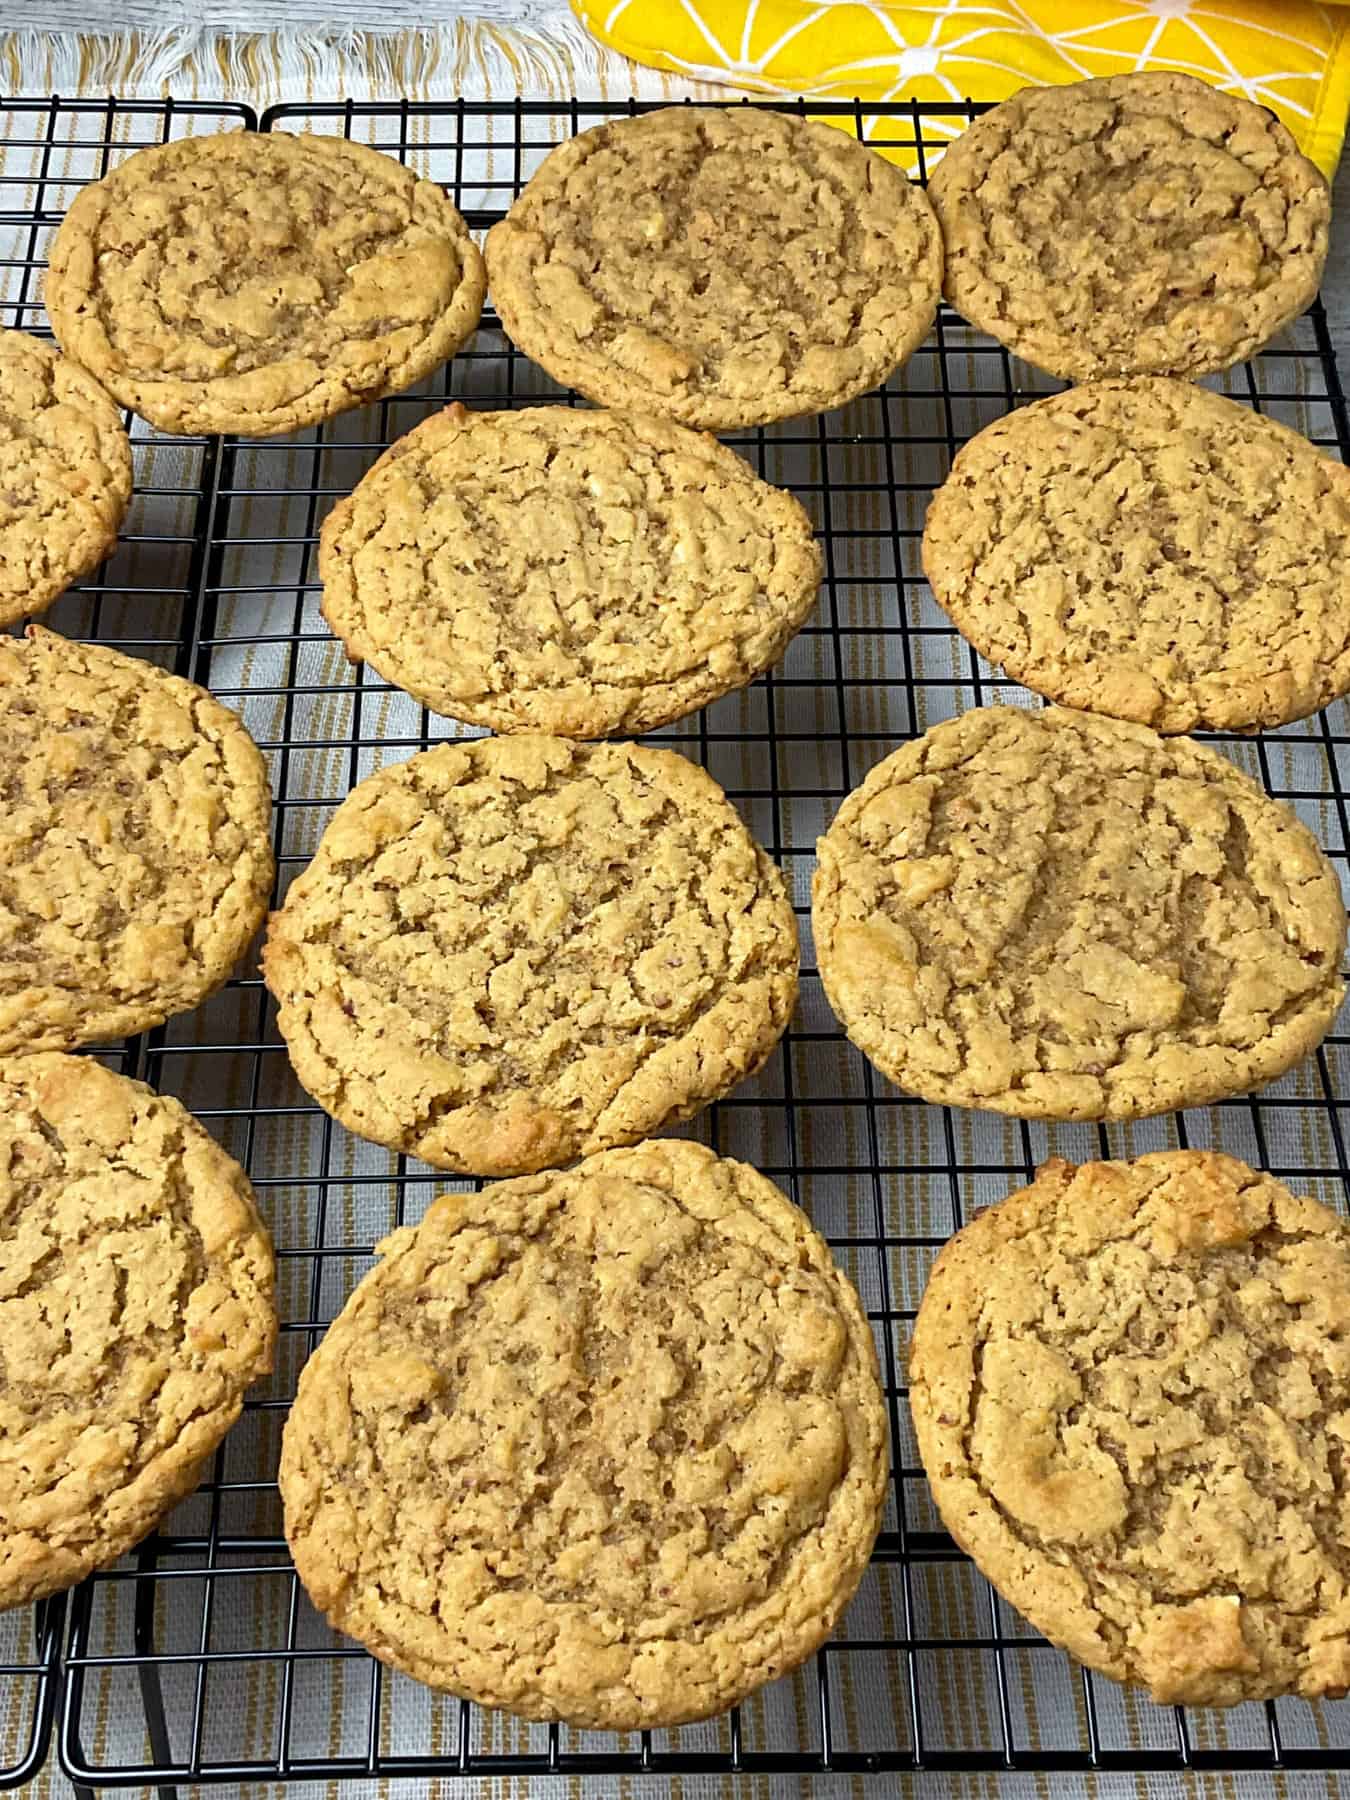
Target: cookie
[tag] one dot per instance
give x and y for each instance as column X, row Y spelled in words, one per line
column 135, row 1309
column 606, row 1446
column 259, row 282
column 723, row 267
column 516, row 951
column 583, row 573
column 65, row 475
column 1138, row 1430
column 135, row 857
column 1153, row 551
column 1139, row 225
column 1061, row 916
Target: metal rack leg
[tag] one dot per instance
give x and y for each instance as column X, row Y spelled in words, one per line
column 152, row 1694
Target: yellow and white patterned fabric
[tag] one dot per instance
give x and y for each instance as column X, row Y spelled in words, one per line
column 1289, row 55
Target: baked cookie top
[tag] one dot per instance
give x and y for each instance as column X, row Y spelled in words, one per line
column 513, row 952
column 257, row 282
column 65, row 474
column 135, row 1308
column 135, row 850
column 1138, row 225
column 1153, row 551
column 605, row 1445
column 1068, row 917
column 1138, row 1429
column 583, row 573
column 720, row 266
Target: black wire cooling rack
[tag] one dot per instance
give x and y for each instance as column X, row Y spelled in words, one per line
column 198, row 1659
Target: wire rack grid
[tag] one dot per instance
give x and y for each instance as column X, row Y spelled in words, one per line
column 30, row 1646
column 198, row 1658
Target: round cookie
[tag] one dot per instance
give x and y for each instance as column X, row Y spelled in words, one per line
column 135, row 857
column 512, row 952
column 65, row 475
column 584, row 573
column 622, row 1444
column 1061, row 916
column 1143, row 224
column 1138, row 1429
column 135, row 1309
column 720, row 266
column 1153, row 551
column 259, row 282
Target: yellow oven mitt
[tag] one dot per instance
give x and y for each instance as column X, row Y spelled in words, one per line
column 1289, row 55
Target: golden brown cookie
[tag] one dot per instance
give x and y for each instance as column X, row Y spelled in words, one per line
column 1143, row 224
column 135, row 1309
column 258, row 282
column 605, row 1446
column 516, row 951
column 135, row 855
column 719, row 266
column 1137, row 1428
column 65, row 474
column 1067, row 917
column 1153, row 551
column 585, row 573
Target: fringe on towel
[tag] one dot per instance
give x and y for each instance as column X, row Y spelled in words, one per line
column 539, row 51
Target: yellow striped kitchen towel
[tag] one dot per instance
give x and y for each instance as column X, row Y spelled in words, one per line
column 1289, row 55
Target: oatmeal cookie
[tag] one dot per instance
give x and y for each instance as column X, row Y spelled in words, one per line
column 1062, row 916
column 512, row 952
column 584, row 573
column 605, row 1446
column 1138, row 1428
column 1144, row 224
column 135, row 1309
column 65, row 475
column 257, row 282
column 720, row 266
column 1153, row 551
column 135, row 849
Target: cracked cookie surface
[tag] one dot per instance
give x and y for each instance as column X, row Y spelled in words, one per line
column 1153, row 551
column 259, row 282
column 1138, row 1430
column 605, row 1445
column 65, row 474
column 723, row 268
column 135, row 1309
column 1143, row 224
column 583, row 573
column 135, row 850
column 515, row 951
column 1062, row 916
